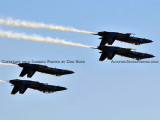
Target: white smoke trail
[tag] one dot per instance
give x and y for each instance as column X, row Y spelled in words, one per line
column 8, row 64
column 36, row 38
column 3, row 81
column 19, row 23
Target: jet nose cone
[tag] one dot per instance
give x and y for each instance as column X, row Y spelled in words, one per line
column 151, row 56
column 61, row 88
column 70, row 72
column 149, row 41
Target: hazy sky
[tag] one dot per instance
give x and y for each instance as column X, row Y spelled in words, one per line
column 97, row 90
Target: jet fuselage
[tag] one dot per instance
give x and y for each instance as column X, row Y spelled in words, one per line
column 22, row 85
column 135, row 40
column 110, row 51
column 43, row 69
column 110, row 37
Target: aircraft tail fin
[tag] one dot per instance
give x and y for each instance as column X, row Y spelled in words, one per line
column 15, row 90
column 24, row 72
column 30, row 72
column 22, row 88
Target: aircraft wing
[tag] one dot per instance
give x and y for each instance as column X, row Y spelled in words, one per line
column 15, row 89
column 110, row 39
column 24, row 72
column 108, row 55
column 31, row 72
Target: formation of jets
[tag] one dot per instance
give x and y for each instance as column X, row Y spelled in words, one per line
column 110, row 51
column 29, row 69
column 106, row 52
